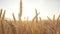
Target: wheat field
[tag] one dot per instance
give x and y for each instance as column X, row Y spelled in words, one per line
column 35, row 26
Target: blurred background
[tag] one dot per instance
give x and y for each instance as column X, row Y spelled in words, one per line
column 45, row 7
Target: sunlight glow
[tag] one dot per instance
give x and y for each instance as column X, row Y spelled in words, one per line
column 29, row 9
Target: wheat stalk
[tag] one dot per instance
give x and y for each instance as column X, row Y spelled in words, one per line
column 49, row 19
column 2, row 22
column 3, row 16
column 14, row 18
column 53, row 18
column 0, row 12
column 36, row 16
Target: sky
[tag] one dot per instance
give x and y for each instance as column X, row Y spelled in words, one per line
column 45, row 7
